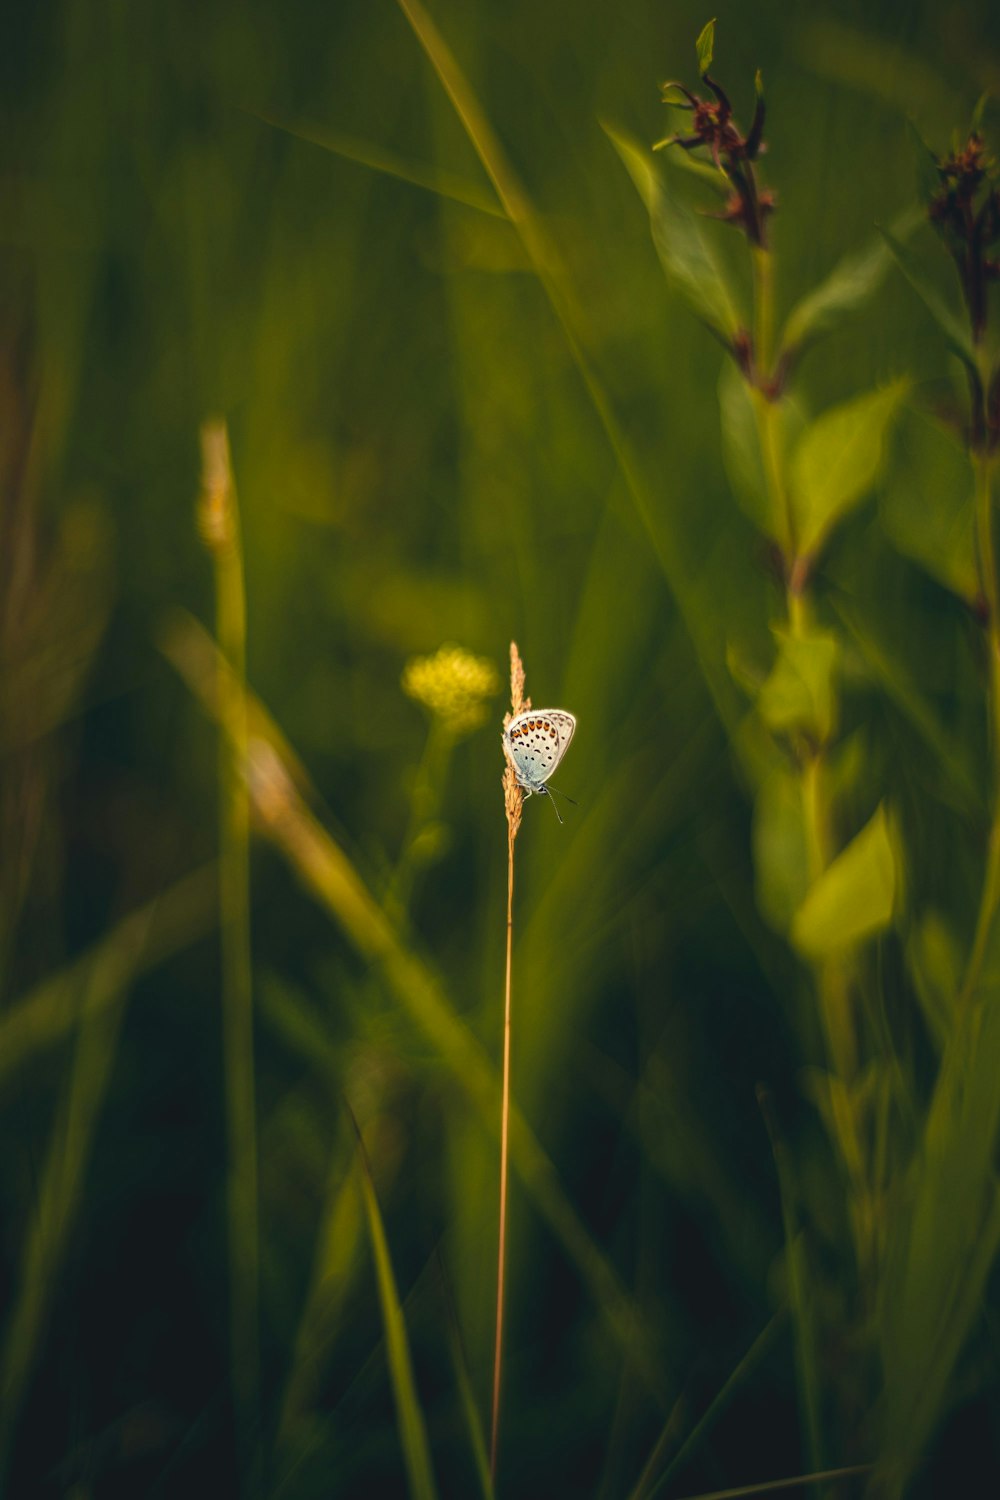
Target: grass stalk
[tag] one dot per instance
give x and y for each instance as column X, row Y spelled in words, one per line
column 219, row 524
column 101, row 1002
column 982, row 464
column 831, row 979
column 513, row 798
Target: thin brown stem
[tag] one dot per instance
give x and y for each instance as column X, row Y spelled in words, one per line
column 513, row 797
column 504, row 1130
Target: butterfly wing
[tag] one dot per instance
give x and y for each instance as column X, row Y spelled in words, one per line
column 537, row 741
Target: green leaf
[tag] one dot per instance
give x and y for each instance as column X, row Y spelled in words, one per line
column 978, row 114
column 961, row 787
column 928, row 178
column 949, row 322
column 743, row 670
column 705, row 46
column 934, row 959
column 688, row 261
column 780, row 854
column 849, row 285
column 926, row 507
column 837, row 460
column 798, row 695
column 854, row 897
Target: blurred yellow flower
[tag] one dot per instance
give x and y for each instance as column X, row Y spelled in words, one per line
column 454, row 685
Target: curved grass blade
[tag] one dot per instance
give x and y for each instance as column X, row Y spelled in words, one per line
column 184, row 913
column 796, row 1481
column 702, row 1427
column 378, row 159
column 412, row 1431
column 102, row 1003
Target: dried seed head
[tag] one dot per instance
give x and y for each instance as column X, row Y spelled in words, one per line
column 513, row 792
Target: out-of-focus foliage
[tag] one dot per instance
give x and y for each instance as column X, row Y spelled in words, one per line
column 732, row 511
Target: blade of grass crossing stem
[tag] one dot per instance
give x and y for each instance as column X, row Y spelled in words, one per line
column 327, row 873
column 646, row 1488
column 377, row 159
column 412, row 1432
column 555, row 283
column 794, row 1482
column 220, row 529
column 101, row 1012
column 469, row 1408
column 334, row 1263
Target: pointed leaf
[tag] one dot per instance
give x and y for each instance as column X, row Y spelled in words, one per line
column 926, row 508
column 949, row 322
column 978, row 114
column 705, row 46
column 848, row 286
column 854, row 897
column 837, row 460
column 685, row 255
column 798, row 695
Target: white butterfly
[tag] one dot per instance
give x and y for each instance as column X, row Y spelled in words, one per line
column 536, row 742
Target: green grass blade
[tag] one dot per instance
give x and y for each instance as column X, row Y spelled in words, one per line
column 703, row 1426
column 412, row 1432
column 220, row 526
column 378, row 159
column 794, row 1482
column 798, row 1287
column 473, row 1421
column 101, row 1013
column 183, row 914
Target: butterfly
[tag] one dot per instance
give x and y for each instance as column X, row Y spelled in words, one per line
column 536, row 742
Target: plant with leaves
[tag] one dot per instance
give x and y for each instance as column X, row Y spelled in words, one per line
column 827, row 865
column 939, row 510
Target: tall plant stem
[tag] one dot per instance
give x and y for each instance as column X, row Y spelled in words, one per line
column 763, row 309
column 767, row 414
column 220, row 526
column 831, row 978
column 983, row 465
column 504, row 1132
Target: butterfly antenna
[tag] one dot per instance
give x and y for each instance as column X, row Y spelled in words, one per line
column 546, row 790
column 565, row 795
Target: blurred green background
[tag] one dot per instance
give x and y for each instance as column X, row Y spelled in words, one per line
column 275, row 216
